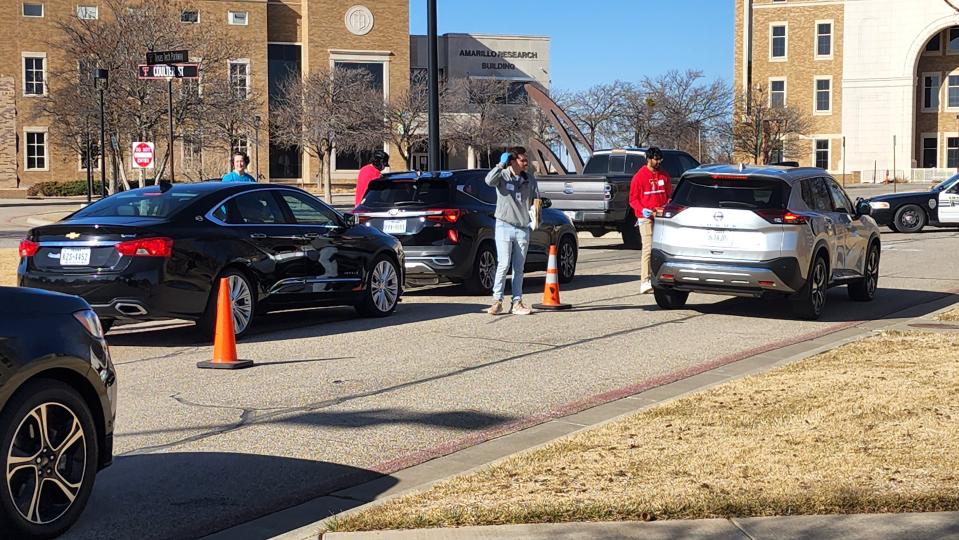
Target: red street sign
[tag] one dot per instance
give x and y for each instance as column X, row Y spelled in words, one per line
column 168, row 71
column 143, row 155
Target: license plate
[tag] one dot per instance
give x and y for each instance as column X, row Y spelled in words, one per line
column 74, row 256
column 570, row 214
column 717, row 238
column 394, row 226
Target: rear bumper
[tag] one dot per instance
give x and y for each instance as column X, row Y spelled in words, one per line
column 782, row 275
column 433, row 263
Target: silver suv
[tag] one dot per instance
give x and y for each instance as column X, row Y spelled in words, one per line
column 762, row 231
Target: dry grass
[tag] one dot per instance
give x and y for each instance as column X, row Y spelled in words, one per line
column 870, row 427
column 952, row 315
column 9, row 259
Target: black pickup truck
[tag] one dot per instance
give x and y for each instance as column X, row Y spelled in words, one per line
column 598, row 200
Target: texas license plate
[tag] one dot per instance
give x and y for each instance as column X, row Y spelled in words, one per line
column 74, row 256
column 394, row 226
column 717, row 238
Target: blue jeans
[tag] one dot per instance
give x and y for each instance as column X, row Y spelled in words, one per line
column 512, row 242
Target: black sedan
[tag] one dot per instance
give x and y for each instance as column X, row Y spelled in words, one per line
column 445, row 222
column 159, row 253
column 57, row 406
column 910, row 212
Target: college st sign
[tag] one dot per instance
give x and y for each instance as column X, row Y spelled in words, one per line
column 168, row 71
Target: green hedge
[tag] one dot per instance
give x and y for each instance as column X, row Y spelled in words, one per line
column 61, row 189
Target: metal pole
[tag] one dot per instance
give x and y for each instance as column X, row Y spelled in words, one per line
column 256, row 140
column 699, row 130
column 434, row 103
column 893, row 163
column 843, row 161
column 169, row 83
column 103, row 151
column 89, row 170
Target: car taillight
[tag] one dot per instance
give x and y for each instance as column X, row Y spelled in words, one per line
column 780, row 216
column 448, row 215
column 453, row 236
column 361, row 217
column 669, row 211
column 146, row 247
column 28, row 248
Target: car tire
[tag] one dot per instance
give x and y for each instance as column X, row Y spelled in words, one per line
column 630, row 232
column 244, row 304
column 484, row 270
column 566, row 256
column 74, row 449
column 383, row 289
column 864, row 289
column 670, row 298
column 808, row 303
column 910, row 219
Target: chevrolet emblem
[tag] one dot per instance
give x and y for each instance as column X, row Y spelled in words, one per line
column 73, row 235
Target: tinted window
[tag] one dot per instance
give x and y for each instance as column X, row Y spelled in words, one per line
column 147, row 203
column 614, row 164
column 687, row 162
column 671, row 165
column 308, row 211
column 477, row 189
column 840, row 201
column 617, row 164
column 597, row 164
column 407, row 192
column 751, row 193
column 819, row 191
column 254, row 208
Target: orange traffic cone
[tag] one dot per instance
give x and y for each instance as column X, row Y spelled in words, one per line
column 224, row 340
column 551, row 291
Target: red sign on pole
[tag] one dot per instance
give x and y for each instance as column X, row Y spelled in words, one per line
column 143, row 155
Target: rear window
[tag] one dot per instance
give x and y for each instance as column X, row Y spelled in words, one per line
column 150, row 203
column 389, row 193
column 614, row 164
column 749, row 193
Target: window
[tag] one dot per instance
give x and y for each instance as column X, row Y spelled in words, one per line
column 192, row 153
column 752, row 193
column 777, row 41
column 930, row 91
column 823, row 95
column 33, row 75
column 824, row 39
column 816, row 195
column 284, row 61
column 822, row 153
column 930, row 148
column 237, row 17
column 777, row 93
column 35, row 143
column 240, row 143
column 307, row 210
column 32, row 10
column 254, row 208
column 840, row 200
column 934, row 45
column 240, row 77
column 149, row 203
column 477, row 188
column 952, row 152
column 953, row 46
column 94, row 156
column 516, row 93
column 189, row 16
column 952, row 92
column 407, row 192
column 88, row 12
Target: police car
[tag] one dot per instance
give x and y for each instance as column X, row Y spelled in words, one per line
column 910, row 212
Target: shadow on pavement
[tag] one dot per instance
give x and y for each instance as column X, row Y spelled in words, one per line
column 532, row 285
column 191, row 494
column 470, row 420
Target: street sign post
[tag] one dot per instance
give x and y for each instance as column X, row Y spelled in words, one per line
column 168, row 71
column 167, row 57
column 143, row 155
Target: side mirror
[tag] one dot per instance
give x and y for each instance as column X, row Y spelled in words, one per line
column 863, row 208
column 349, row 220
column 546, row 202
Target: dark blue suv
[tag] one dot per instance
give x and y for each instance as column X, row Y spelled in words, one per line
column 445, row 222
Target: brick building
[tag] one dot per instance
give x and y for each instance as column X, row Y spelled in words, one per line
column 884, row 74
column 277, row 36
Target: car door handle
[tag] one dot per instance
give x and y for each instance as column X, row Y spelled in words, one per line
column 257, row 236
column 311, row 235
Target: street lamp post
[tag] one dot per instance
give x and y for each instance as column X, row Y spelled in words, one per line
column 256, row 141
column 101, row 81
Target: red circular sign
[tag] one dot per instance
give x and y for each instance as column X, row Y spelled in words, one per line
column 143, row 155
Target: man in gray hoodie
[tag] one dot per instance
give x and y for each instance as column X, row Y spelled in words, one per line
column 516, row 190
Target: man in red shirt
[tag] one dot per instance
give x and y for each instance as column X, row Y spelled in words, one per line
column 371, row 171
column 649, row 189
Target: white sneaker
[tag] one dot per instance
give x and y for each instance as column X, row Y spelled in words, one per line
column 645, row 287
column 519, row 308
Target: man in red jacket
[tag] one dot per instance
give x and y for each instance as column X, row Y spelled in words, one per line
column 371, row 171
column 649, row 189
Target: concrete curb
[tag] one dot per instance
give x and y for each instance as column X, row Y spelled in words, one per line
column 549, row 428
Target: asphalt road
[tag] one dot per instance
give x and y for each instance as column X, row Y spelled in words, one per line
column 335, row 400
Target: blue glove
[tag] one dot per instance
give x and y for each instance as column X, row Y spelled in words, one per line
column 504, row 159
column 647, row 213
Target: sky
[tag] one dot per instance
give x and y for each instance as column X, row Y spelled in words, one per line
column 600, row 41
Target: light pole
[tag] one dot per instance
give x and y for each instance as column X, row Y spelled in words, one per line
column 101, row 81
column 434, row 93
column 256, row 141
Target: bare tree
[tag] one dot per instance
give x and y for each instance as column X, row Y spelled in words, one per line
column 689, row 108
column 406, row 114
column 137, row 109
column 483, row 116
column 761, row 131
column 637, row 117
column 595, row 110
column 329, row 109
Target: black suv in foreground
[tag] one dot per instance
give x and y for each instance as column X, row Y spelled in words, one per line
column 446, row 225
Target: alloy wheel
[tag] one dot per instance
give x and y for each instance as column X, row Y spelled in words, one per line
column 567, row 258
column 384, row 286
column 818, row 286
column 487, row 269
column 872, row 271
column 242, row 300
column 46, row 463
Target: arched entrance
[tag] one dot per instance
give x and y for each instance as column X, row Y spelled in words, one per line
column 936, row 106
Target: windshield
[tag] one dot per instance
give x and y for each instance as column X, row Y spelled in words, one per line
column 749, row 193
column 407, row 192
column 945, row 184
column 139, row 203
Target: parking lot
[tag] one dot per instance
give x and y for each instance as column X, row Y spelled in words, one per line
column 335, row 400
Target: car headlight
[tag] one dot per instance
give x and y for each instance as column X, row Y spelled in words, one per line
column 879, row 205
column 89, row 320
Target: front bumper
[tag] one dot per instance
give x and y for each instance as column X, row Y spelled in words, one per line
column 782, row 275
column 883, row 216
